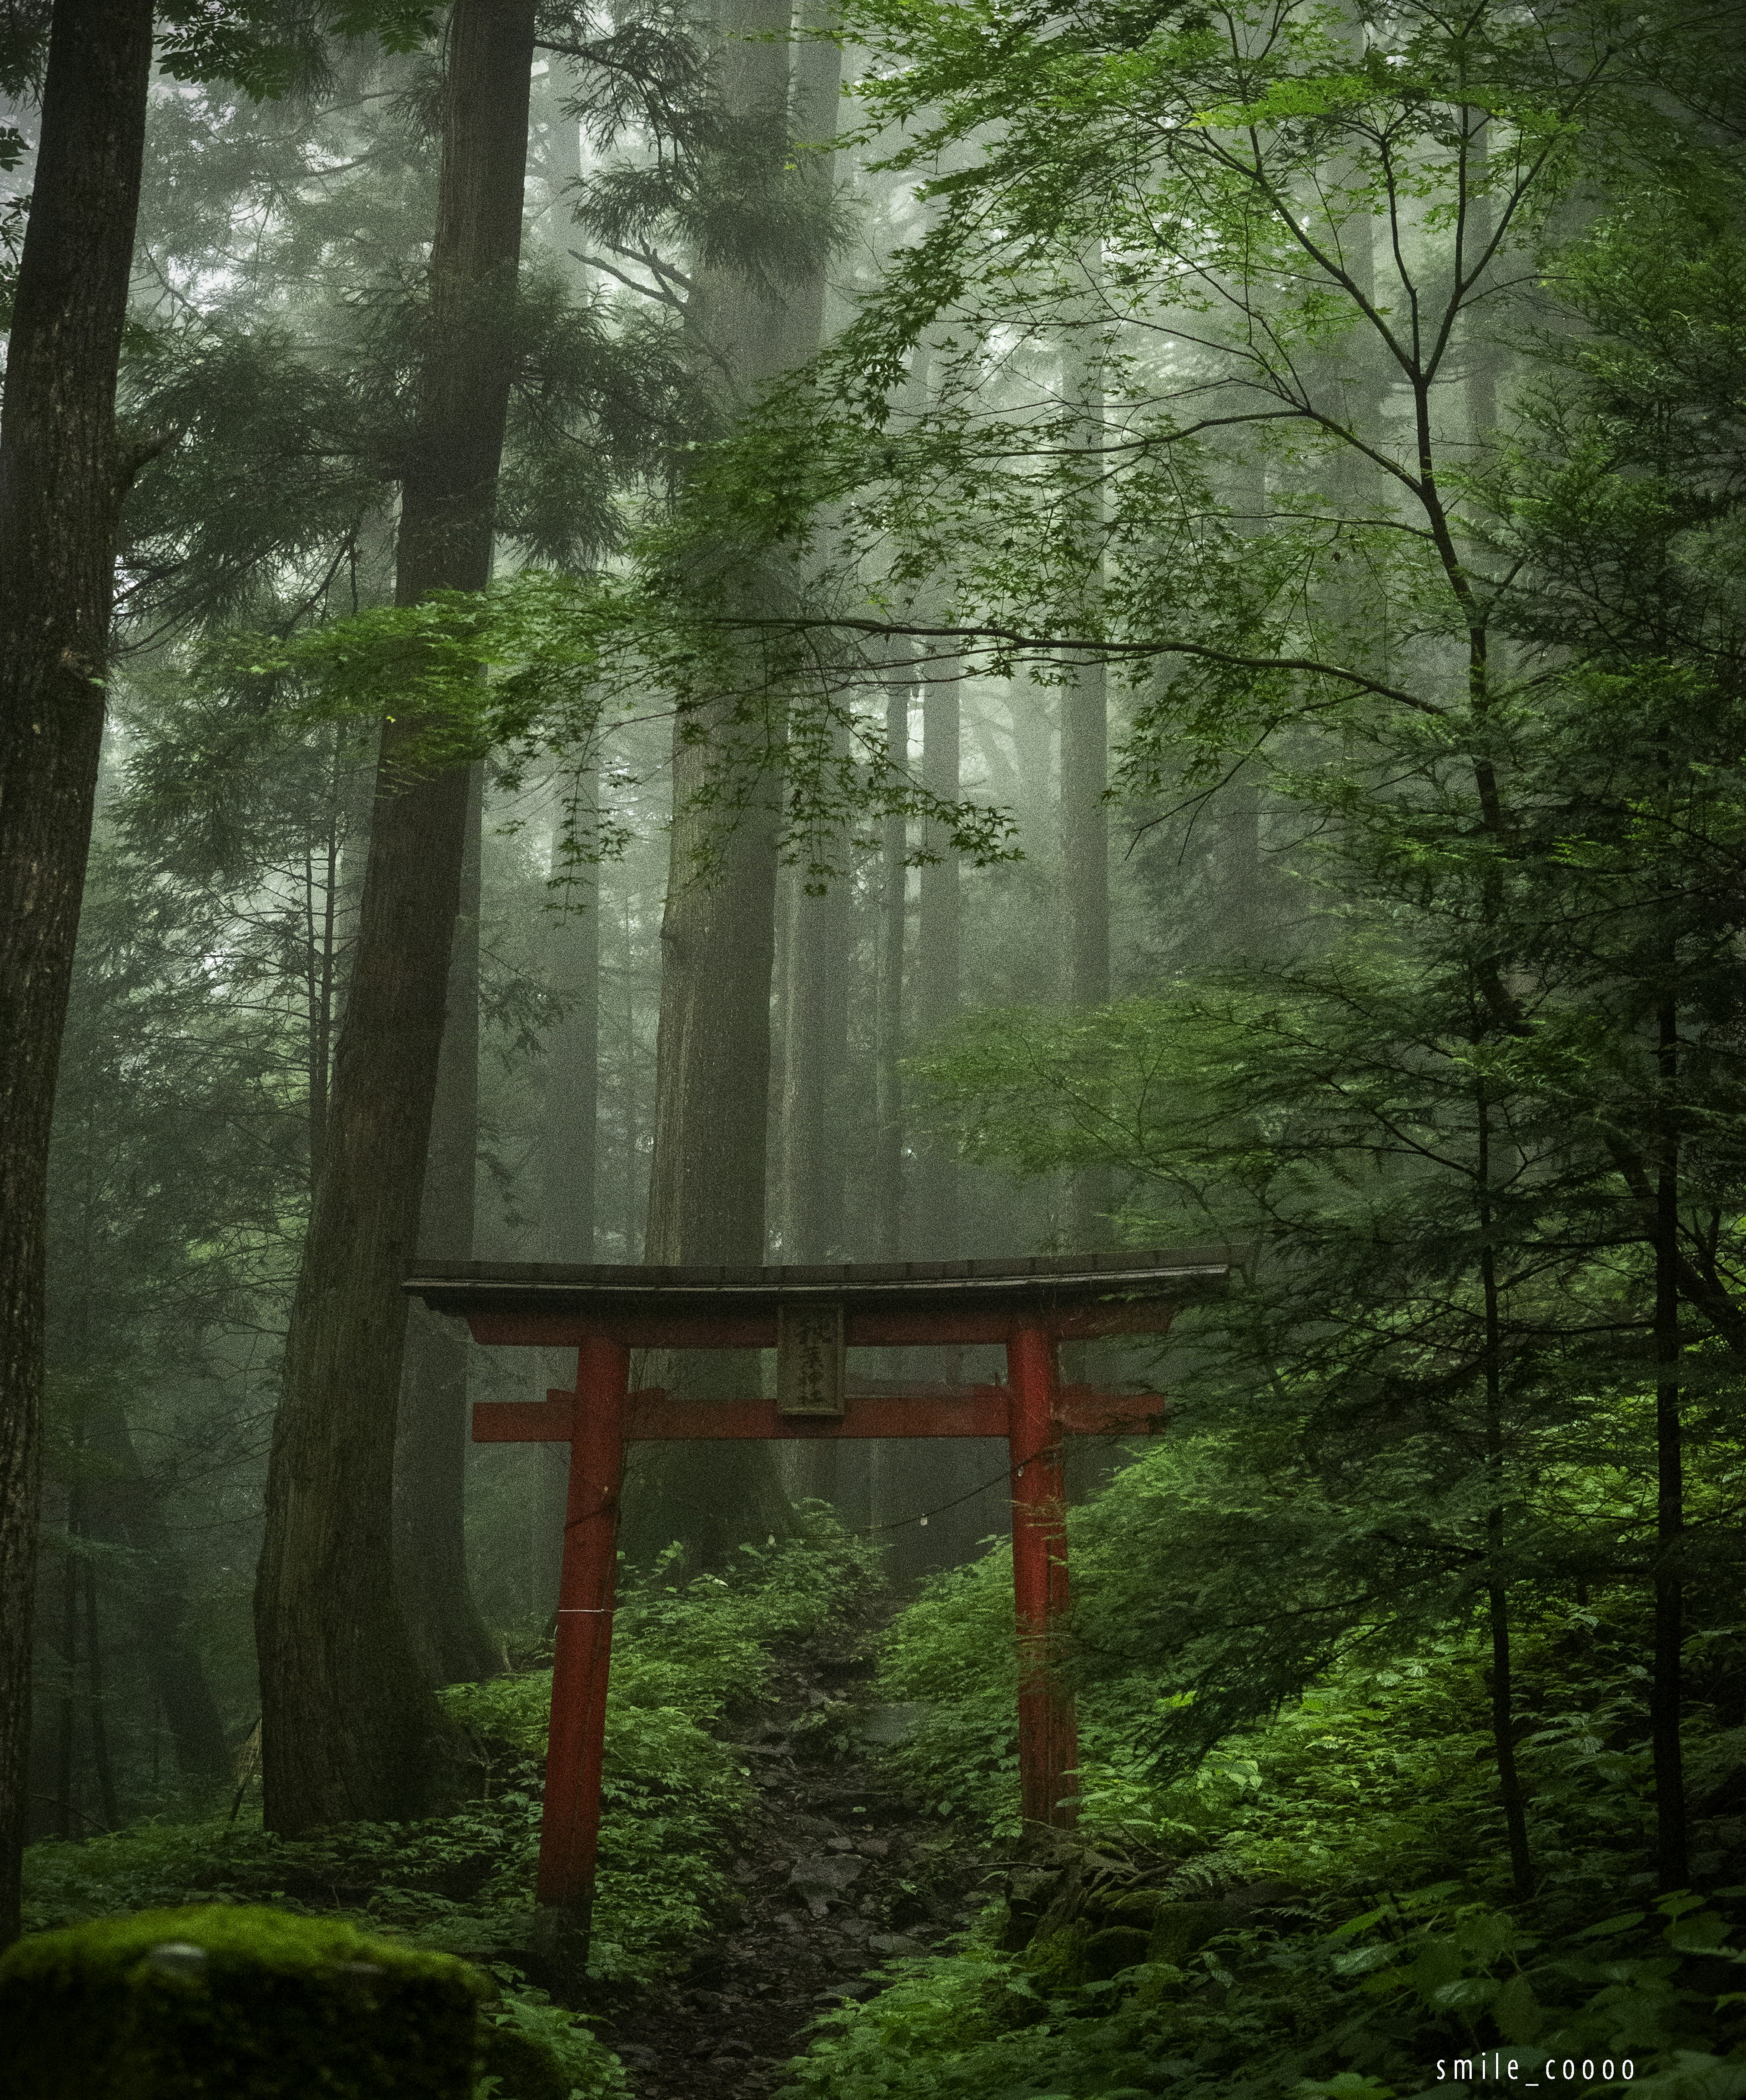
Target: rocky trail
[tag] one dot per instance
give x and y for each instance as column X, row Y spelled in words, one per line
column 838, row 1874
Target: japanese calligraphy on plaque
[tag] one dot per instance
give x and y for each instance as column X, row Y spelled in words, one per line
column 809, row 1360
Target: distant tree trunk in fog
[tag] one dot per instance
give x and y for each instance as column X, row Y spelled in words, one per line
column 66, row 1730
column 431, row 1452
column 569, row 1182
column 60, row 480
column 821, row 935
column 1084, row 776
column 633, row 1219
column 707, row 1182
column 122, row 1508
column 888, row 1050
column 1243, row 919
column 349, row 1727
column 569, row 1168
column 1085, row 835
column 102, row 1767
column 917, row 1475
column 712, row 1058
column 939, row 958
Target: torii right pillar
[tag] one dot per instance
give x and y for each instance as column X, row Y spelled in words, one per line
column 1049, row 1733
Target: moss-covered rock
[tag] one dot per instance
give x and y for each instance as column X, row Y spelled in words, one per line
column 229, row 2002
column 1056, row 1961
column 1112, row 1949
column 1180, row 1929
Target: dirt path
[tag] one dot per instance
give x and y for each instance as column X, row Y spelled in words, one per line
column 839, row 1874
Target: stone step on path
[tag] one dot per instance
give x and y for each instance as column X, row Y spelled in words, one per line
column 839, row 1874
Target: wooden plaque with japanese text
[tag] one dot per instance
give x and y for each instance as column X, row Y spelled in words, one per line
column 809, row 1360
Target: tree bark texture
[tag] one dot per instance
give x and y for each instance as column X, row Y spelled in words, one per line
column 430, row 1457
column 706, row 1191
column 348, row 1725
column 60, row 481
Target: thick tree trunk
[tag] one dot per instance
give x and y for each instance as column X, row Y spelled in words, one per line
column 430, row 1455
column 706, row 1184
column 707, row 1188
column 59, row 482
column 347, row 1723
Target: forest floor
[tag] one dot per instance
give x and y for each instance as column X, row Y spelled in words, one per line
column 839, row 1873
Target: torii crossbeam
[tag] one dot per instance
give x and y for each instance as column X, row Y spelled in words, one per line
column 809, row 1316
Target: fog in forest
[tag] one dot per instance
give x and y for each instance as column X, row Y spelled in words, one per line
column 924, row 635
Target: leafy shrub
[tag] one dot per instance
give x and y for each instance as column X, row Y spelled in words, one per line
column 531, row 2049
column 687, row 1656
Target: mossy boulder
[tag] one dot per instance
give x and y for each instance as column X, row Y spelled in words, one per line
column 1056, row 1960
column 1180, row 1929
column 234, row 2002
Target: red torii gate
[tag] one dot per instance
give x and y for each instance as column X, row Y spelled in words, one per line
column 809, row 1316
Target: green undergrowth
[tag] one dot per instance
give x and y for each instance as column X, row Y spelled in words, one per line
column 691, row 1658
column 1390, row 2002
column 1324, row 1905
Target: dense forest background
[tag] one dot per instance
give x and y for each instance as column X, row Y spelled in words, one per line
column 908, row 630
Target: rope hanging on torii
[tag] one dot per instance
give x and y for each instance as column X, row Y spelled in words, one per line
column 811, row 1316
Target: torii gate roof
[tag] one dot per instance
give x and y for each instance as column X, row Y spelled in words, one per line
column 884, row 1302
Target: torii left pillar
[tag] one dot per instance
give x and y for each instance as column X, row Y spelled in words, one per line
column 1048, row 1732
column 582, row 1656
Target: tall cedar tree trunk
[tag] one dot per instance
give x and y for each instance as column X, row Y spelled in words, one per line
column 939, row 952
column 712, row 1055
column 60, row 479
column 1085, row 774
column 430, row 1487
column 347, row 1723
column 914, row 1477
column 568, row 1168
column 815, row 1042
column 570, row 1178
column 821, row 935
column 887, row 1050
